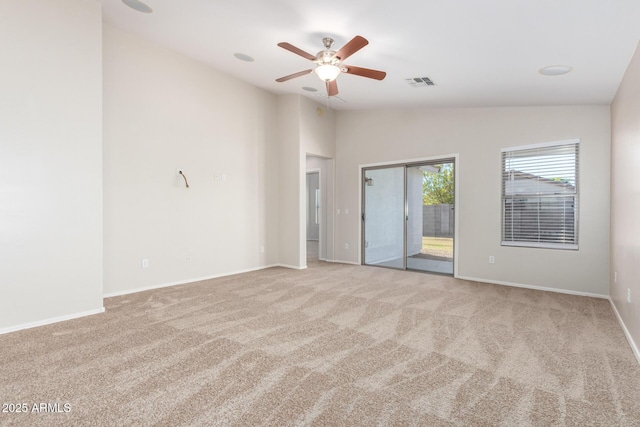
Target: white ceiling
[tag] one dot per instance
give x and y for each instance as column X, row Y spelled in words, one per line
column 478, row 52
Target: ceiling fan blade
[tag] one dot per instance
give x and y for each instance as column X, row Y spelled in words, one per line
column 364, row 72
column 356, row 43
column 332, row 88
column 294, row 75
column 297, row 51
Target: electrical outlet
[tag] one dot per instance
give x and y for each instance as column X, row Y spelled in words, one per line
column 261, row 249
column 492, row 259
column 145, row 263
column 346, row 246
column 188, row 259
column 629, row 295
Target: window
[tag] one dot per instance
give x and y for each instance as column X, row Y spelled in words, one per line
column 540, row 195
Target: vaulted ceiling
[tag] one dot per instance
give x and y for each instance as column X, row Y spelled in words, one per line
column 478, row 53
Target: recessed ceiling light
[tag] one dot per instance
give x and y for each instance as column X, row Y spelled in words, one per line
column 138, row 5
column 243, row 57
column 309, row 89
column 555, row 70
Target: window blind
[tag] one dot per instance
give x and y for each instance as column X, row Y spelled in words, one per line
column 540, row 195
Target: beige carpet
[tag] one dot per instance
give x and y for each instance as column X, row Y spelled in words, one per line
column 333, row 345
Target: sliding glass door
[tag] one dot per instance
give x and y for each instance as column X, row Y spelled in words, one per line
column 384, row 217
column 430, row 220
column 408, row 217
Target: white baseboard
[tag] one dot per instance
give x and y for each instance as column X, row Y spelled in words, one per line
column 538, row 288
column 184, row 282
column 339, row 261
column 50, row 321
column 294, row 267
column 632, row 343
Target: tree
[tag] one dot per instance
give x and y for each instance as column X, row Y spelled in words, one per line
column 437, row 187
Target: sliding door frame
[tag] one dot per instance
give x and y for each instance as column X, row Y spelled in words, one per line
column 363, row 213
column 448, row 158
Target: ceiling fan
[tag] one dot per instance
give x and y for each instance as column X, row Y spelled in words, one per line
column 329, row 63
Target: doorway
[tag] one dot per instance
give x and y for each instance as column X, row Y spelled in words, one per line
column 313, row 215
column 408, row 216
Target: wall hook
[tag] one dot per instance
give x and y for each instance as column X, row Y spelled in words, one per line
column 185, row 179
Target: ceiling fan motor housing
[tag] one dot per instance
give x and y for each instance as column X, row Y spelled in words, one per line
column 327, row 57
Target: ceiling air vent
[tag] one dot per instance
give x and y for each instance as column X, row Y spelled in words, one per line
column 419, row 81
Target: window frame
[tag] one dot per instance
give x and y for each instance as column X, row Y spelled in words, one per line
column 574, row 245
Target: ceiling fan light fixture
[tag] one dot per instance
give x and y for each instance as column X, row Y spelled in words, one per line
column 327, row 72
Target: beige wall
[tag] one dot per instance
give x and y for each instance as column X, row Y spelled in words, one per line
column 625, row 200
column 291, row 186
column 477, row 135
column 317, row 129
column 50, row 161
column 305, row 127
column 163, row 111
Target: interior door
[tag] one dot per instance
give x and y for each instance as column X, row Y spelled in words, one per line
column 384, row 217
